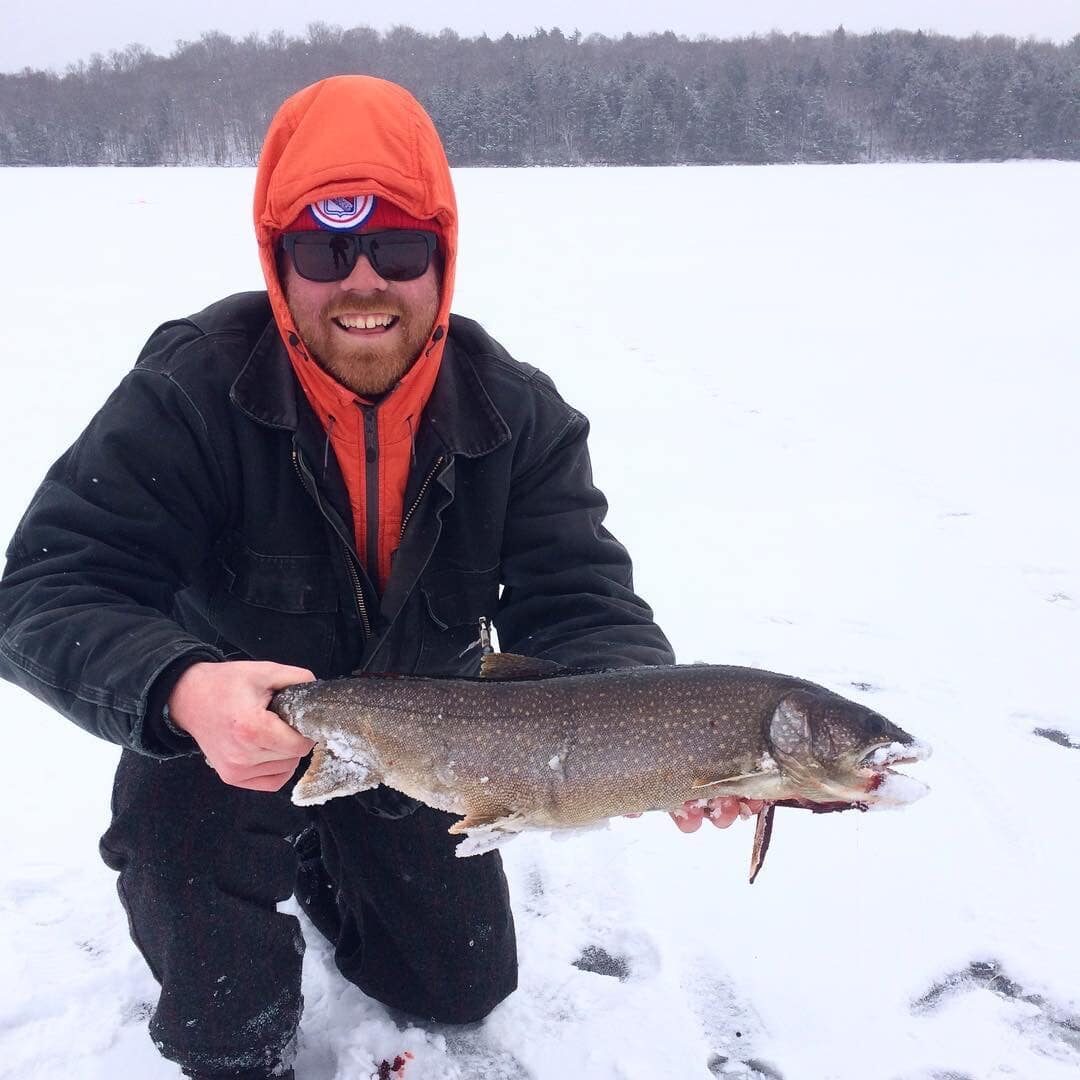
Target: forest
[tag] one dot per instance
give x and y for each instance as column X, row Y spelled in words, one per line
column 552, row 98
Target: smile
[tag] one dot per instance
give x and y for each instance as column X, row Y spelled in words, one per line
column 380, row 321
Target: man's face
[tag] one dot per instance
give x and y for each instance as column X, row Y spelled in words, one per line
column 329, row 318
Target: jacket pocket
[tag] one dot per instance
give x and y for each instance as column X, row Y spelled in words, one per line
column 295, row 584
column 454, row 601
column 277, row 607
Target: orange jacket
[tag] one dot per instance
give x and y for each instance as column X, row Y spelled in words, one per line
column 349, row 135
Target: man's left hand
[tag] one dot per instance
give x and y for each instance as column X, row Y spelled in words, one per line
column 722, row 812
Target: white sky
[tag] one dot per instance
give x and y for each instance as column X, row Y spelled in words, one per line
column 68, row 30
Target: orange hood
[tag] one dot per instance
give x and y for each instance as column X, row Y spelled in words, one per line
column 344, row 136
column 341, row 136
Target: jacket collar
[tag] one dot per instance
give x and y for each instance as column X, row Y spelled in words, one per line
column 266, row 387
column 459, row 412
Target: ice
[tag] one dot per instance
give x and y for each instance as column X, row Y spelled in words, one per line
column 845, row 449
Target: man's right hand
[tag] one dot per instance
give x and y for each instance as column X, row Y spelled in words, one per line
column 222, row 706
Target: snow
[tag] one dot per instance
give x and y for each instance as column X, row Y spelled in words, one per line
column 896, row 790
column 834, row 410
column 912, row 751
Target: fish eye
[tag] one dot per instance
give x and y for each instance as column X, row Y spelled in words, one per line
column 875, row 724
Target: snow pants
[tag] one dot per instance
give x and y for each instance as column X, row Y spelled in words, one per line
column 203, row 866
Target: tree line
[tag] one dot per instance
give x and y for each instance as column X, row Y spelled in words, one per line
column 556, row 99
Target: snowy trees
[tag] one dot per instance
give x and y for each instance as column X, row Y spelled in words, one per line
column 552, row 98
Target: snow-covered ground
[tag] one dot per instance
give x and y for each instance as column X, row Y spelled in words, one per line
column 835, row 411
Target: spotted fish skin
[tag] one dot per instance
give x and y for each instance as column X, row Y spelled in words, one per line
column 573, row 749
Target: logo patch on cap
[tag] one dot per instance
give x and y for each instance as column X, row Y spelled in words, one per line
column 344, row 211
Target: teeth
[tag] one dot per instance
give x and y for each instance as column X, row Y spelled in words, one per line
column 365, row 322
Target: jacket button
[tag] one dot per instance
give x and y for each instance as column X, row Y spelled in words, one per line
column 294, row 340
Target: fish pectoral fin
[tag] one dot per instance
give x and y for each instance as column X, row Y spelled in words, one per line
column 484, row 832
column 501, row 820
column 329, row 776
column 762, row 836
column 701, row 785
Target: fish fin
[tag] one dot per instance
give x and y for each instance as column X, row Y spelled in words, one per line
column 479, row 843
column 486, row 831
column 490, row 820
column 507, row 666
column 699, row 785
column 762, row 836
column 329, row 776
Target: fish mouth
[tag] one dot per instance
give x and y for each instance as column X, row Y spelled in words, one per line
column 882, row 757
column 884, row 786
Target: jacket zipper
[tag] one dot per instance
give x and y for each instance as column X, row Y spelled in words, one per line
column 420, row 494
column 371, row 485
column 358, row 589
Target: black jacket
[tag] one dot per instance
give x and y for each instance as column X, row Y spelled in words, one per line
column 202, row 515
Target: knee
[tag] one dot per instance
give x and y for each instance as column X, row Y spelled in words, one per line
column 460, row 1004
column 472, row 1010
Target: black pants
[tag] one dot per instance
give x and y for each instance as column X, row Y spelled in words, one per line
column 203, row 865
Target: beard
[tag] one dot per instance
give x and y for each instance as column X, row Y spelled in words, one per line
column 367, row 364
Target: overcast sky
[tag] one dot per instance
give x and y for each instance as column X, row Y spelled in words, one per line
column 37, row 34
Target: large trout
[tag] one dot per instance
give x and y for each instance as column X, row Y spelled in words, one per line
column 526, row 747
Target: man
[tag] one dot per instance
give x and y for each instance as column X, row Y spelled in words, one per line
column 335, row 474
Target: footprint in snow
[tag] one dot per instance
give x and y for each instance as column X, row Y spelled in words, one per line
column 937, row 1074
column 1048, row 1022
column 599, row 961
column 1062, row 600
column 137, row 1012
column 470, row 1050
column 730, row 1024
column 751, row 1069
column 621, row 953
column 1051, row 728
column 1056, row 736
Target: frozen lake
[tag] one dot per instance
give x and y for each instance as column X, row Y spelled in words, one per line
column 834, row 410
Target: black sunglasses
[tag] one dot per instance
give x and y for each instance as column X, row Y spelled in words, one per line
column 396, row 254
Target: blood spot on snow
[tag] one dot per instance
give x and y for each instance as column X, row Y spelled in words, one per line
column 387, row 1070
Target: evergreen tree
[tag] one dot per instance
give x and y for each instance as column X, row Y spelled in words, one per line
column 553, row 98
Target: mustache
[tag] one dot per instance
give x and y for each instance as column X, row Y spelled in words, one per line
column 359, row 305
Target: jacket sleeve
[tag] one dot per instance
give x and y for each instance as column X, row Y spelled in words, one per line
column 568, row 590
column 119, row 524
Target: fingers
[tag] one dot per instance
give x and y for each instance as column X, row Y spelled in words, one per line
column 721, row 812
column 281, row 675
column 273, row 782
column 277, row 736
column 266, row 776
column 689, row 818
column 269, row 783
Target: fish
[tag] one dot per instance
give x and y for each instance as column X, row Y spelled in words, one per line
column 531, row 745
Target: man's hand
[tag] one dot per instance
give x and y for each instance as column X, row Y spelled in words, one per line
column 222, row 706
column 721, row 812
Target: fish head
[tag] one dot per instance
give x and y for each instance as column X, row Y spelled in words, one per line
column 835, row 750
